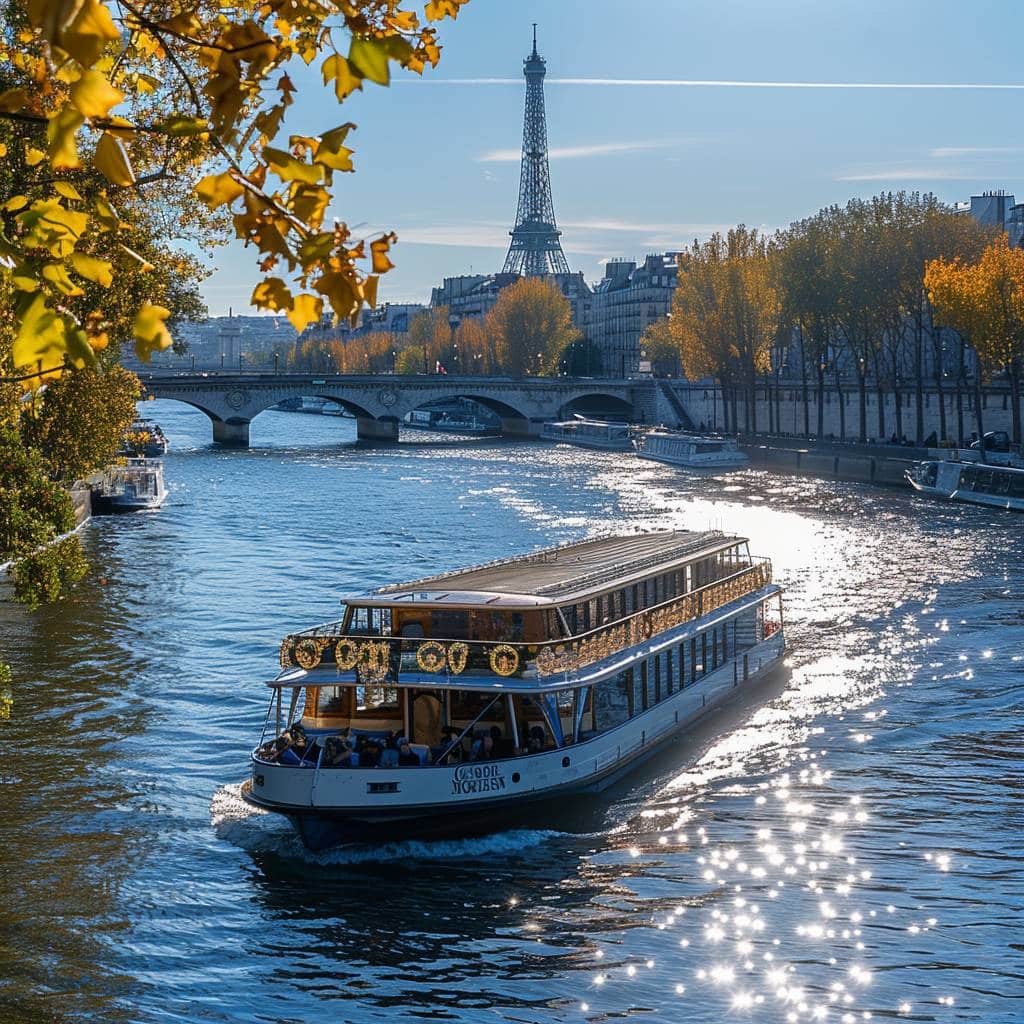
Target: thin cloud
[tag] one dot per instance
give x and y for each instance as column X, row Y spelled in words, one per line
column 944, row 152
column 707, row 83
column 910, row 174
column 496, row 156
column 642, row 227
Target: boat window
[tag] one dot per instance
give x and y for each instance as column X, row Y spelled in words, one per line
column 333, row 701
column 376, row 699
column 370, row 622
column 493, row 625
column 611, row 702
column 572, row 618
column 657, row 679
column 450, row 625
column 644, row 694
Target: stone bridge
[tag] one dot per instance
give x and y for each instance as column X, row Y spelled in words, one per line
column 379, row 402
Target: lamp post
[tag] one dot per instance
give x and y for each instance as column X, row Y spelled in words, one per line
column 453, row 322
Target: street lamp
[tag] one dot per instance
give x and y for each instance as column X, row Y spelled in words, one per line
column 453, row 322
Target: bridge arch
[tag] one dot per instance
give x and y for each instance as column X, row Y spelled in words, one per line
column 598, row 403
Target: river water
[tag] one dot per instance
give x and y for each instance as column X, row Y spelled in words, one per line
column 845, row 844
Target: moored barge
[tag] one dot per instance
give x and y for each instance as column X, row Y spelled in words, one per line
column 436, row 706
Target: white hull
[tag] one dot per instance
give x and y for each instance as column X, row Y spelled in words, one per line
column 328, row 805
column 731, row 460
column 971, row 497
column 607, row 446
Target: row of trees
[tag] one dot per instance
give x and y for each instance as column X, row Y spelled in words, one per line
column 529, row 331
column 842, row 298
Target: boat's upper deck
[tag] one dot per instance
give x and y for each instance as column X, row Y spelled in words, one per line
column 559, row 575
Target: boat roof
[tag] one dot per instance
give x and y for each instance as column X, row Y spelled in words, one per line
column 558, row 575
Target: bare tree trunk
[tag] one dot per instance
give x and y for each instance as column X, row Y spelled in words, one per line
column 979, row 402
column 862, row 400
column 803, row 387
column 899, row 414
column 919, row 382
column 772, row 425
column 821, row 401
column 1014, row 371
column 842, row 408
column 960, row 396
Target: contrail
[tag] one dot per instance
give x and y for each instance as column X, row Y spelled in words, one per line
column 713, row 83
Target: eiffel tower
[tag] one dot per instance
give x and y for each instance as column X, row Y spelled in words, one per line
column 535, row 249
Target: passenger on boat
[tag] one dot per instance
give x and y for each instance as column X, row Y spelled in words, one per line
column 389, row 757
column 485, row 750
column 368, row 750
column 535, row 740
column 407, row 757
column 338, row 753
column 454, row 755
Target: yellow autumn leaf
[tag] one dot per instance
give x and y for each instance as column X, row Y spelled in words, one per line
column 331, row 152
column 89, row 33
column 92, row 268
column 306, row 309
column 57, row 275
column 112, row 161
column 378, row 251
column 93, row 95
column 151, row 333
column 61, row 130
column 33, row 156
column 218, row 189
column 44, row 338
column 272, row 294
column 3, row 149
column 345, row 79
column 67, row 190
column 287, row 168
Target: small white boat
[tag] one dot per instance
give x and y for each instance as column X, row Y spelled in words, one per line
column 691, row 451
column 134, row 487
column 466, row 701
column 980, row 483
column 586, row 433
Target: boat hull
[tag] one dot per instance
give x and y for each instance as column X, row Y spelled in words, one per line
column 737, row 460
column 527, row 790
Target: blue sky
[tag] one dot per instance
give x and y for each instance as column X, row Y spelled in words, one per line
column 639, row 168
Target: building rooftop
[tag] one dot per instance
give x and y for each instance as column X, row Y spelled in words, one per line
column 559, row 574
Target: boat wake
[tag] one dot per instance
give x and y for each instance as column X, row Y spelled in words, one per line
column 256, row 831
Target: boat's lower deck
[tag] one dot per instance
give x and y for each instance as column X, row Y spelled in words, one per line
column 332, row 806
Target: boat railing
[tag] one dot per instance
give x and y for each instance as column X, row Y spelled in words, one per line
column 379, row 659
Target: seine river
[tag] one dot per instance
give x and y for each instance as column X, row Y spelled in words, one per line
column 845, row 845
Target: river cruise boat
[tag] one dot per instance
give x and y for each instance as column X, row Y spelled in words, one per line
column 585, row 433
column 979, row 483
column 691, row 451
column 137, row 486
column 475, row 699
column 144, row 438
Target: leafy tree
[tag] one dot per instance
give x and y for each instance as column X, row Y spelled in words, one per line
column 81, row 419
column 582, row 358
column 476, row 354
column 725, row 314
column 34, row 513
column 410, row 361
column 137, row 94
column 431, row 334
column 531, row 324
column 984, row 302
column 657, row 345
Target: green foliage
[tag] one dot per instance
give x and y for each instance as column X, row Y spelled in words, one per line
column 531, row 324
column 33, row 509
column 79, row 422
column 410, row 360
column 43, row 576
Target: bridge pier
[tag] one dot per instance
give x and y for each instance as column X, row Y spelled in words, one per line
column 233, row 434
column 369, row 429
column 519, row 426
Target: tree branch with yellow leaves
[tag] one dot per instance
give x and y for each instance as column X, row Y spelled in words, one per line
column 92, row 85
